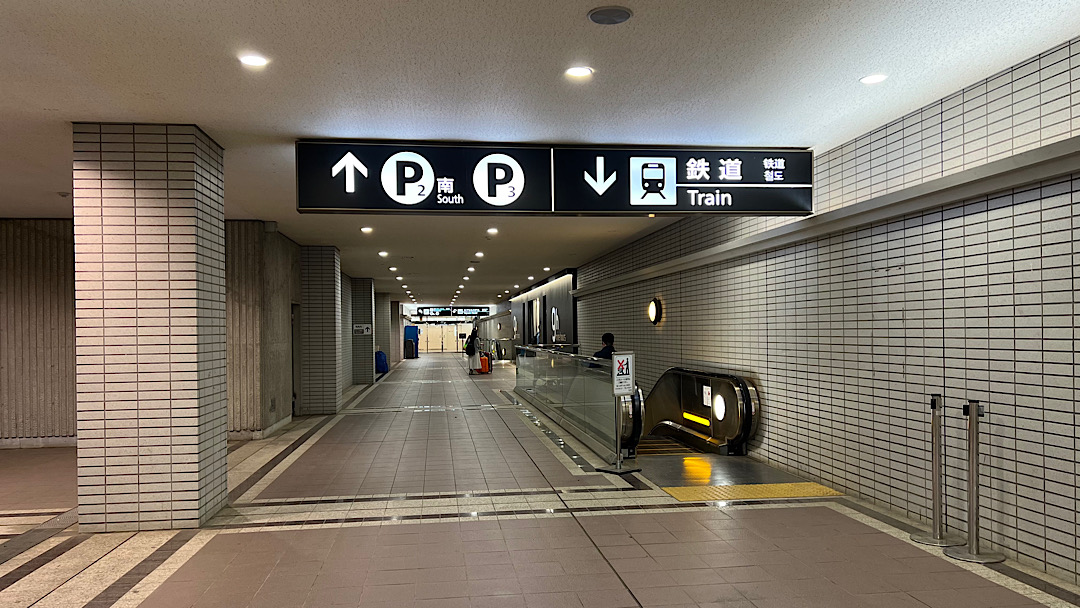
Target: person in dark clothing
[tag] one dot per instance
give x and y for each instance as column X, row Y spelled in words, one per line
column 609, row 346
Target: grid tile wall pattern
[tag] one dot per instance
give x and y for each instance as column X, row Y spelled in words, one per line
column 382, row 322
column 320, row 330
column 150, row 326
column 363, row 310
column 345, row 364
column 1032, row 104
column 846, row 336
column 37, row 332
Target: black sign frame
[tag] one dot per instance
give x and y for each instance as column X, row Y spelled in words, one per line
column 453, row 311
column 569, row 195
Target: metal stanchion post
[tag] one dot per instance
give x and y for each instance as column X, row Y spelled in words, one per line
column 618, row 468
column 937, row 536
column 970, row 552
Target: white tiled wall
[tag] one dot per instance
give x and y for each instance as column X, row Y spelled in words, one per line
column 382, row 323
column 150, row 326
column 1032, row 104
column 345, row 364
column 847, row 335
column 363, row 304
column 320, row 330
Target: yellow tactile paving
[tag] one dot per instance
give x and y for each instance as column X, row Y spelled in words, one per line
column 751, row 491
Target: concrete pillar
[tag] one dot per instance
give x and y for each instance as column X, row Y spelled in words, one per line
column 150, row 326
column 397, row 340
column 363, row 346
column 320, row 330
column 382, row 323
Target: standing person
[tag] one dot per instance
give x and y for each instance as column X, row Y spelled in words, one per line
column 609, row 346
column 472, row 347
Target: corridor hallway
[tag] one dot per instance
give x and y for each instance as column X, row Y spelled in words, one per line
column 433, row 488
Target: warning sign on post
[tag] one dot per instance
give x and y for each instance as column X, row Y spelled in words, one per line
column 622, row 374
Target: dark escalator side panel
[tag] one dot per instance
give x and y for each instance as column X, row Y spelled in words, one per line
column 709, row 411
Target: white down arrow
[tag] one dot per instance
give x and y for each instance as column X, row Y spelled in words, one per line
column 600, row 183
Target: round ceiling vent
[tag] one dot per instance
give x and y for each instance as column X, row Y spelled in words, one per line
column 609, row 15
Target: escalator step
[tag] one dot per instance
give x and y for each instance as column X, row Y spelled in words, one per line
column 653, row 445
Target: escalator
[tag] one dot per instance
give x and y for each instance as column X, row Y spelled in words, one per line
column 706, row 411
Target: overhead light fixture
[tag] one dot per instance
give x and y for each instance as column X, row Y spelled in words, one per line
column 461, row 287
column 400, row 278
column 404, row 286
column 408, row 292
column 393, row 269
column 464, row 278
column 873, row 78
column 366, row 229
column 383, row 254
column 547, row 269
column 493, row 231
column 506, row 291
column 471, row 269
column 458, row 291
column 479, row 254
column 652, row 215
column 517, row 286
column 579, row 72
column 656, row 311
column 610, row 15
column 253, row 60
column 530, row 278
column 500, row 295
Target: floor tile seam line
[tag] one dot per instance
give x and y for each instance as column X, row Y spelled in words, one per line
column 125, row 582
column 48, row 514
column 902, row 531
column 38, row 534
column 278, row 442
column 367, row 391
column 269, row 466
column 35, row 564
column 289, row 502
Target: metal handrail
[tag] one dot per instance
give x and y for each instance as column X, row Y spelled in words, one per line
column 587, row 358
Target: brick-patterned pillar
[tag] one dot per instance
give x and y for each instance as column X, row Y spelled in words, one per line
column 150, row 326
column 320, row 330
column 363, row 304
column 382, row 323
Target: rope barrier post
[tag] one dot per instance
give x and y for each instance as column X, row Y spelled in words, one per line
column 937, row 537
column 971, row 553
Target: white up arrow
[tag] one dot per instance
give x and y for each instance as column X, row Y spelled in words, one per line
column 349, row 163
column 600, row 183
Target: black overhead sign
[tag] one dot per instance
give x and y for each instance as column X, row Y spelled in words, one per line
column 346, row 176
column 453, row 311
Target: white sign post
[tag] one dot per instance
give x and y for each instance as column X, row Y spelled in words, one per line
column 622, row 386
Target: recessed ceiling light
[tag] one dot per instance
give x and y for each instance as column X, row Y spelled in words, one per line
column 461, row 287
column 579, row 72
column 399, row 278
column 366, row 229
column 517, row 286
column 393, row 269
column 383, row 254
column 471, row 269
column 253, row 60
column 610, row 15
column 404, row 286
column 873, row 79
column 493, row 231
column 500, row 295
column 652, row 215
column 464, row 278
column 530, row 278
column 479, row 254
column 458, row 291
column 546, row 268
column 506, row 291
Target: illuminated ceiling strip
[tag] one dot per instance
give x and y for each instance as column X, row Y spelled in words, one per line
column 697, row 419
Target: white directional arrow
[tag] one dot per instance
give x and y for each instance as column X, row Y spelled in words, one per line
column 600, row 183
column 349, row 163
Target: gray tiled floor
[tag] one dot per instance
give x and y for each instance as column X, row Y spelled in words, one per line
column 798, row 557
column 38, row 478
